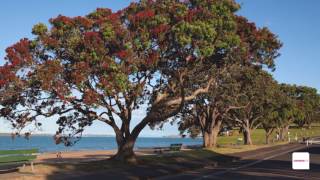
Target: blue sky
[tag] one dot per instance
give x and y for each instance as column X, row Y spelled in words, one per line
column 296, row 22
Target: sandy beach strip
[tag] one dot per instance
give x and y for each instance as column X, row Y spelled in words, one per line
column 80, row 156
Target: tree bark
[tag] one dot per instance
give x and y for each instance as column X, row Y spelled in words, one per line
column 284, row 132
column 247, row 136
column 210, row 137
column 267, row 138
column 125, row 151
column 246, row 132
column 207, row 139
column 215, row 131
column 268, row 133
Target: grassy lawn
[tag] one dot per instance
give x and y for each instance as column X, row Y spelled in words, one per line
column 22, row 151
column 230, row 144
column 258, row 135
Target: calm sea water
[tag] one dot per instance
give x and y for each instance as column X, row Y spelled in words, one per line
column 46, row 143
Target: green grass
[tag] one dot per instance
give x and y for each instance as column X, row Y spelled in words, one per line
column 258, row 135
column 304, row 132
column 20, row 151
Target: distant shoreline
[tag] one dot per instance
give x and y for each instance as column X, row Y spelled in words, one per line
column 100, row 135
column 89, row 135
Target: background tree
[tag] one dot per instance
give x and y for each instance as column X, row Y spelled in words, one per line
column 287, row 109
column 255, row 86
column 257, row 49
column 273, row 108
column 307, row 103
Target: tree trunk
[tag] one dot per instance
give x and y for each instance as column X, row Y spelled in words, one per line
column 267, row 138
column 215, row 136
column 284, row 132
column 268, row 133
column 125, row 151
column 247, row 136
column 215, row 132
column 281, row 134
column 207, row 139
column 246, row 132
column 210, row 137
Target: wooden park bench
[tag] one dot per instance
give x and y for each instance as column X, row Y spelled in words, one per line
column 172, row 147
column 175, row 147
column 11, row 160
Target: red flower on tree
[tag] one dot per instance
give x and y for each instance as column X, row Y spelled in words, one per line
column 143, row 15
column 160, row 29
column 61, row 20
column 19, row 53
column 85, row 22
column 50, row 41
column 122, row 54
column 115, row 16
column 92, row 39
column 90, row 97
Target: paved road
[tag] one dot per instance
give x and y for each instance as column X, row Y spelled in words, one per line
column 275, row 165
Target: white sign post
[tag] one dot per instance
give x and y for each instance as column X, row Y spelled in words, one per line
column 300, row 161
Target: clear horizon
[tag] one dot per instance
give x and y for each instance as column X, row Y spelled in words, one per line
column 298, row 64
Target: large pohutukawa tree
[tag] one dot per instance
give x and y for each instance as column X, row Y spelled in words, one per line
column 257, row 49
column 103, row 66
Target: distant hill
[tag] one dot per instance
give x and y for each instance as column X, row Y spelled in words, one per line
column 172, row 136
